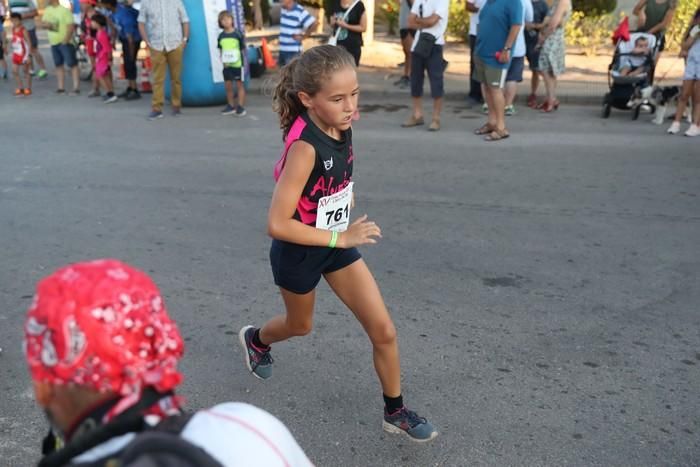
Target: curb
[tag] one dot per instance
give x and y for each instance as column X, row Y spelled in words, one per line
column 265, row 85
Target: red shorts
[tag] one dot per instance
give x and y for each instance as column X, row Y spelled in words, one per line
column 91, row 46
column 19, row 59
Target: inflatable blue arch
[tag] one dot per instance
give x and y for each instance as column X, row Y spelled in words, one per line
column 202, row 82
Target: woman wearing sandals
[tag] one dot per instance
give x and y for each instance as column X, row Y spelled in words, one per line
column 553, row 53
column 500, row 22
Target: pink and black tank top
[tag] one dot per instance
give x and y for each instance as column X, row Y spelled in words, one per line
column 332, row 171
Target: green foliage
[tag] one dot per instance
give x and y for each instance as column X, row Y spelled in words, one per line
column 594, row 7
column 458, row 20
column 681, row 20
column 589, row 32
column 389, row 14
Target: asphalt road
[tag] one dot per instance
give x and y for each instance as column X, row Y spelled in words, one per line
column 545, row 288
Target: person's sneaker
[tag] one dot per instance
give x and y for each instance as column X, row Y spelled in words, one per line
column 110, row 99
column 125, row 94
column 228, row 110
column 258, row 361
column 176, row 112
column 60, row 91
column 412, row 121
column 407, row 422
column 4, row 74
column 510, row 110
column 694, row 130
column 155, row 115
column 240, row 111
column 74, row 92
column 94, row 93
column 434, row 125
column 674, row 128
column 27, row 92
column 41, row 74
column 19, row 92
column 484, row 108
column 133, row 95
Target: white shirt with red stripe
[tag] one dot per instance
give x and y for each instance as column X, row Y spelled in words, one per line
column 233, row 433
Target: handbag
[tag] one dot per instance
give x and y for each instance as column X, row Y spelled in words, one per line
column 424, row 46
column 426, row 41
column 333, row 40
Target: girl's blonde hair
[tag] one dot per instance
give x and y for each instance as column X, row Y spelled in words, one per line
column 306, row 74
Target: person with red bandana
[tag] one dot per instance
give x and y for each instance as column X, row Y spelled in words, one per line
column 103, row 353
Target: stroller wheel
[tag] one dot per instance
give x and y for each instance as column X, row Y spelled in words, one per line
column 635, row 112
column 606, row 110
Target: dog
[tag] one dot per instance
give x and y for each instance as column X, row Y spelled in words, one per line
column 660, row 98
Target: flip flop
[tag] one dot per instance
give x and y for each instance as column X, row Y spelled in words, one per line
column 484, row 130
column 496, row 135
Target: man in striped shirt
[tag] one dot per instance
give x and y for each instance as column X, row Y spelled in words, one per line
column 295, row 24
column 28, row 10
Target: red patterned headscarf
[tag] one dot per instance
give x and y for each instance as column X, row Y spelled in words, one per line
column 102, row 325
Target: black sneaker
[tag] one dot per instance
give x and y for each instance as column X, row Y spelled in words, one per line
column 125, row 94
column 133, row 95
column 407, row 422
column 258, row 361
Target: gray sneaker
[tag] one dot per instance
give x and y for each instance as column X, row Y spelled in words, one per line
column 407, row 422
column 258, row 361
column 240, row 111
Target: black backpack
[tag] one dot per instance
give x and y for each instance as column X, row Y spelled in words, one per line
column 153, row 446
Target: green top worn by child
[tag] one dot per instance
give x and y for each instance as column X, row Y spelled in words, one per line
column 232, row 48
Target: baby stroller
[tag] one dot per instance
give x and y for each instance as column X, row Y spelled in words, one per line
column 622, row 87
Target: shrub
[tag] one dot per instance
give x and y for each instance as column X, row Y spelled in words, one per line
column 389, row 13
column 594, row 7
column 458, row 20
column 589, row 32
column 679, row 26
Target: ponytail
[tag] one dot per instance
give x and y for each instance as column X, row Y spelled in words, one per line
column 285, row 100
column 306, row 74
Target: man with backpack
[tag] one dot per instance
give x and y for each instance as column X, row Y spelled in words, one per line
column 103, row 354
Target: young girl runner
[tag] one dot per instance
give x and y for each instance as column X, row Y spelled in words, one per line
column 309, row 223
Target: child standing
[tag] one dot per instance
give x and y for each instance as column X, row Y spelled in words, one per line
column 103, row 60
column 232, row 47
column 20, row 55
column 309, row 223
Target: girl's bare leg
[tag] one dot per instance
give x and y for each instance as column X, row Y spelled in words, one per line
column 357, row 289
column 297, row 321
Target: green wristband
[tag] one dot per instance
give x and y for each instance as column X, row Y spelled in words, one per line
column 334, row 239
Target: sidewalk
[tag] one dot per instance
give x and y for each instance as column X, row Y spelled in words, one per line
column 584, row 82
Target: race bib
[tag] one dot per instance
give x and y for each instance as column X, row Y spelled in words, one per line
column 232, row 56
column 17, row 48
column 333, row 211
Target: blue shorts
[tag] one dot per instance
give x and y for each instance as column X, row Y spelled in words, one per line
column 33, row 39
column 233, row 73
column 298, row 268
column 515, row 70
column 286, row 57
column 435, row 66
column 64, row 54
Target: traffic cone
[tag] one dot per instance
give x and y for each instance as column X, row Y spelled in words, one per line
column 269, row 61
column 145, row 76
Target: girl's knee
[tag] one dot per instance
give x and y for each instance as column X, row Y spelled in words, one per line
column 383, row 333
column 301, row 328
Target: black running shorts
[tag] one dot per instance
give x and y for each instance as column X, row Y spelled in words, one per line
column 299, row 268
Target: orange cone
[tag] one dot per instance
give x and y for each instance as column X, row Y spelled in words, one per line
column 145, row 76
column 270, row 62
